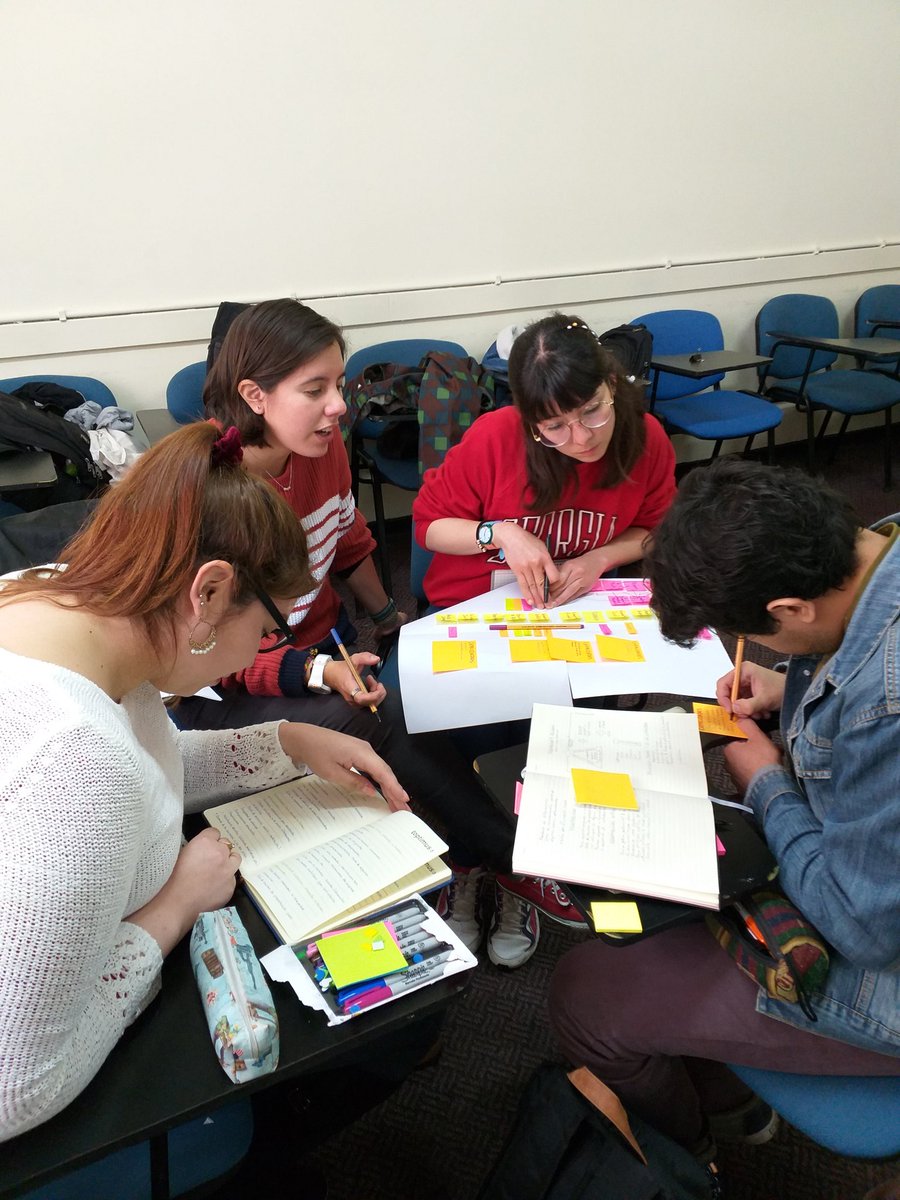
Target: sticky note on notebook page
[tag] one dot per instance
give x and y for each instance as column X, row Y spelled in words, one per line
column 569, row 650
column 616, row 916
column 529, row 650
column 605, row 789
column 453, row 656
column 367, row 952
column 712, row 718
column 614, row 649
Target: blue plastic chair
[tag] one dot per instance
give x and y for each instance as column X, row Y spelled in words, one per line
column 91, row 389
column 881, row 303
column 853, row 1115
column 199, row 1152
column 806, row 376
column 369, row 466
column 184, row 393
column 701, row 408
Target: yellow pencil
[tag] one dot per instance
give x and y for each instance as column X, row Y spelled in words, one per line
column 353, row 671
column 736, row 682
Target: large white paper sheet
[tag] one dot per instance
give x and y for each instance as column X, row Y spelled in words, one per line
column 499, row 690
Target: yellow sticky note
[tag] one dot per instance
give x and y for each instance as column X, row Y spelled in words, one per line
column 607, row 789
column 629, row 628
column 617, row 614
column 641, row 614
column 355, row 955
column 467, row 618
column 570, row 616
column 613, row 649
column 453, row 656
column 712, row 718
column 514, row 604
column 594, row 615
column 494, row 618
column 445, row 618
column 516, row 618
column 539, row 618
column 529, row 650
column 569, row 650
column 616, row 916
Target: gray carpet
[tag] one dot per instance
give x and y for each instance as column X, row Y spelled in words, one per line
column 437, row 1137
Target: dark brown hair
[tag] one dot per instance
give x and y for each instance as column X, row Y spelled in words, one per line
column 265, row 343
column 173, row 511
column 557, row 365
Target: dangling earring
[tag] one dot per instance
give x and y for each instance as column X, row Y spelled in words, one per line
column 209, row 641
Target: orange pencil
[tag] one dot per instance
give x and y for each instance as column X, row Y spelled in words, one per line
column 736, row 682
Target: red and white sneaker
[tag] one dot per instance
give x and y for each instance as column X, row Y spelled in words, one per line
column 546, row 895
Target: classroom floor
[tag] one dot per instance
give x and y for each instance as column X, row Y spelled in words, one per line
column 438, row 1136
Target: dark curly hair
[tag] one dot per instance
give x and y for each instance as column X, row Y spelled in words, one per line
column 739, row 535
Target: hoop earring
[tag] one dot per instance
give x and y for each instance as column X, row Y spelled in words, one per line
column 209, row 642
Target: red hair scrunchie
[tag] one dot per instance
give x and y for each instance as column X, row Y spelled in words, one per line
column 227, row 448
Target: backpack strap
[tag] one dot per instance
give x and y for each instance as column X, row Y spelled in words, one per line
column 605, row 1100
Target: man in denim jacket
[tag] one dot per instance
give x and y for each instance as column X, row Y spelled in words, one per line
column 778, row 557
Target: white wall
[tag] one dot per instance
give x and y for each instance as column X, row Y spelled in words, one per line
column 431, row 167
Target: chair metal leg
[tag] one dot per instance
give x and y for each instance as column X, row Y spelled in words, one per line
column 159, row 1167
column 887, row 448
column 810, row 440
column 838, row 437
column 770, row 446
column 381, row 532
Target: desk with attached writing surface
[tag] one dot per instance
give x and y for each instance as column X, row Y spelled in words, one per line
column 164, row 1071
column 746, row 864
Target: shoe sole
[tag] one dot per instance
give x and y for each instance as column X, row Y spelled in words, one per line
column 578, row 922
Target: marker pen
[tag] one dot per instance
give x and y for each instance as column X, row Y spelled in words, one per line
column 394, row 986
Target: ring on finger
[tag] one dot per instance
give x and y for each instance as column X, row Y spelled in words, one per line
column 355, row 692
column 229, row 844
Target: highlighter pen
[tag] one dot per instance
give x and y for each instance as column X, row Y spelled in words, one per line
column 353, row 671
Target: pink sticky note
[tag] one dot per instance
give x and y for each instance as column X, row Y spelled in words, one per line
column 705, row 635
column 526, row 607
column 518, row 799
column 621, row 601
column 606, row 629
column 606, row 585
column 452, row 632
column 720, row 849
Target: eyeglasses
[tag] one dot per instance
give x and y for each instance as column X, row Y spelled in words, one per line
column 557, row 432
column 284, row 633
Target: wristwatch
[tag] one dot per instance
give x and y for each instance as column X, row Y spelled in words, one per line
column 315, row 679
column 484, row 535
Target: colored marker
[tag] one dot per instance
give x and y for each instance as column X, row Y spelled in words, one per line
column 542, row 625
column 400, row 984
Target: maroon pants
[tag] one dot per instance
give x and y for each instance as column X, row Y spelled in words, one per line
column 657, row 1019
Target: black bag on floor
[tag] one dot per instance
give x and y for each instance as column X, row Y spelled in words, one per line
column 572, row 1140
column 24, row 426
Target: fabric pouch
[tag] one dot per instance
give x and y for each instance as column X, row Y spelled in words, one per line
column 239, row 1010
column 773, row 943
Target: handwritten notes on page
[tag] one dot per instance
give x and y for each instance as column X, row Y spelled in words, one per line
column 712, row 718
column 454, row 656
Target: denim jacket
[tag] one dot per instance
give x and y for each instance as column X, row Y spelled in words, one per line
column 832, row 817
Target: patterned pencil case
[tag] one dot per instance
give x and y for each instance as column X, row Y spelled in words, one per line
column 239, row 1010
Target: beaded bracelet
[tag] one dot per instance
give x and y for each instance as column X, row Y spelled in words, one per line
column 389, row 610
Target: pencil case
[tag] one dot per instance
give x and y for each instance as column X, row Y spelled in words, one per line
column 239, row 1010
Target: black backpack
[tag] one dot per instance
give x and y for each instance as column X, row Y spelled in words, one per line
column 24, row 426
column 225, row 314
column 632, row 346
column 562, row 1147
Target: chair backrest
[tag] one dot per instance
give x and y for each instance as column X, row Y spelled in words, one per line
column 406, row 352
column 795, row 312
column 682, row 331
column 184, row 393
column 91, row 389
column 882, row 302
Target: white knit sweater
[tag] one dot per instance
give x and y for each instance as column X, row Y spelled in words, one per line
column 92, row 795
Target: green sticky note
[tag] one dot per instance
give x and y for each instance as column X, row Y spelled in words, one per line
column 616, row 916
column 356, row 955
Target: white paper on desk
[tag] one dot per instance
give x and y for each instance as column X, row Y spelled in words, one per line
column 283, row 966
column 498, row 690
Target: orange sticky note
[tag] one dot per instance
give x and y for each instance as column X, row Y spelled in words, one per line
column 529, row 650
column 514, row 604
column 607, row 789
column 712, row 718
column 453, row 656
column 616, row 916
column 569, row 650
column 614, row 649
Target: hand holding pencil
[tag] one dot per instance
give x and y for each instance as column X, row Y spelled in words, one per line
column 356, row 689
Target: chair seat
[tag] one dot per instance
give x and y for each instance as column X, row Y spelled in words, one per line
column 715, row 416
column 401, row 472
column 852, row 1115
column 853, row 392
